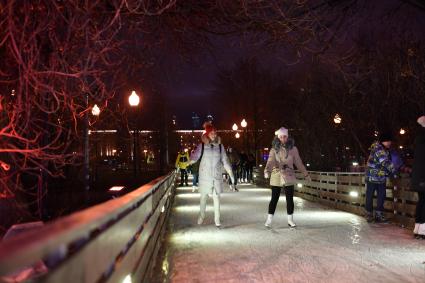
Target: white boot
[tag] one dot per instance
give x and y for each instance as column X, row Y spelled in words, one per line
column 269, row 220
column 415, row 231
column 421, row 229
column 200, row 220
column 291, row 222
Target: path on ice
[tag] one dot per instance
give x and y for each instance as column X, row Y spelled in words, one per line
column 327, row 246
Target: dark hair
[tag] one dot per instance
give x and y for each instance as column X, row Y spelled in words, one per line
column 276, row 143
column 386, row 136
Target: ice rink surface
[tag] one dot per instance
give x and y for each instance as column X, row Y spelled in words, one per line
column 327, row 246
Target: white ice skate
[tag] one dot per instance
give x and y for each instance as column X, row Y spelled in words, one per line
column 291, row 222
column 268, row 223
column 200, row 220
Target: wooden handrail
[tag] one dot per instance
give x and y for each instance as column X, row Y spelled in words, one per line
column 333, row 189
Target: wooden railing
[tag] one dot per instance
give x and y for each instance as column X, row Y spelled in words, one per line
column 347, row 191
column 115, row 241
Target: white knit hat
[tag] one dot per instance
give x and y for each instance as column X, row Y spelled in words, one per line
column 421, row 121
column 281, row 132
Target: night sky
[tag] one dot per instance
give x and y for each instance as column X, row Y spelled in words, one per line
column 189, row 81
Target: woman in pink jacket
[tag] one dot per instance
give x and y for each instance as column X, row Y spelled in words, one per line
column 282, row 158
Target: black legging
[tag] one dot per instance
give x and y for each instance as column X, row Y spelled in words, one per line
column 289, row 193
column 420, row 208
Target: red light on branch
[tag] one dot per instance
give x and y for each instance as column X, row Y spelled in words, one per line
column 5, row 166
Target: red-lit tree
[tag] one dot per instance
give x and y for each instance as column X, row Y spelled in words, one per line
column 57, row 55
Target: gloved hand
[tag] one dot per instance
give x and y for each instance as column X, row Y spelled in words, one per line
column 266, row 175
column 308, row 178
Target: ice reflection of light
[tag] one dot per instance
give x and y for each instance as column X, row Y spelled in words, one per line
column 206, row 237
column 253, row 190
column 165, row 266
column 328, row 216
column 299, row 203
column 356, row 227
column 258, row 199
column 187, row 208
column 184, row 188
column 188, row 196
column 195, row 208
column 127, row 279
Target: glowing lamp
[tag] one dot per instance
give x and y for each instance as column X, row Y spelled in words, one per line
column 134, row 99
column 237, row 135
column 244, row 123
column 354, row 194
column 337, row 119
column 95, row 110
column 402, row 131
column 235, row 127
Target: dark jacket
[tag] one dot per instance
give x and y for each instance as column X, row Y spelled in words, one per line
column 418, row 170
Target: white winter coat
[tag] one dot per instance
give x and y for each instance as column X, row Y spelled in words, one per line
column 211, row 167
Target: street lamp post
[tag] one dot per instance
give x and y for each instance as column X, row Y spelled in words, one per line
column 244, row 125
column 338, row 121
column 95, row 110
column 134, row 101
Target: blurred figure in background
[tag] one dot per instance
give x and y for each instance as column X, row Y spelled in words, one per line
column 195, row 173
column 250, row 167
column 418, row 180
column 243, row 162
column 234, row 162
column 182, row 164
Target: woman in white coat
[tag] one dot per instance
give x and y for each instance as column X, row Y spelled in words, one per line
column 213, row 159
column 282, row 158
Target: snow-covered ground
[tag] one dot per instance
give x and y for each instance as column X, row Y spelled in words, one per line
column 327, row 245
